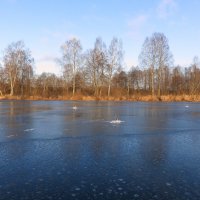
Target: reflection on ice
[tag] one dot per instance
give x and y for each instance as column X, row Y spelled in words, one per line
column 9, row 136
column 28, row 130
column 58, row 152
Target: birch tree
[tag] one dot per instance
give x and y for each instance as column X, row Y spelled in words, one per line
column 96, row 63
column 147, row 59
column 163, row 57
column 114, row 59
column 71, row 59
column 156, row 55
column 16, row 60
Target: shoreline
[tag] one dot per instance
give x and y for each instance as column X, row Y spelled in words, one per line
column 139, row 98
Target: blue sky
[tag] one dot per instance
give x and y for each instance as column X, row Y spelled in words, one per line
column 44, row 25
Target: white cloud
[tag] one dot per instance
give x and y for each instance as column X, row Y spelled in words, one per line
column 46, row 63
column 130, row 62
column 56, row 36
column 49, row 66
column 46, row 58
column 166, row 8
column 136, row 24
column 50, row 43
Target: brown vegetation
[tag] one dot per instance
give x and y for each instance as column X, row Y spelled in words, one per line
column 144, row 98
column 98, row 74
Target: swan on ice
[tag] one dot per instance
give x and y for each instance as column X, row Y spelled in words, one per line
column 74, row 107
column 116, row 121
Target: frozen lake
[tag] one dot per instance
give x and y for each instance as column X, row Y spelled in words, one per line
column 48, row 150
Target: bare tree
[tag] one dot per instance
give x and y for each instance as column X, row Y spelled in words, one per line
column 1, row 80
column 147, row 59
column 96, row 63
column 136, row 79
column 114, row 59
column 194, row 76
column 16, row 59
column 177, row 82
column 155, row 54
column 26, row 72
column 163, row 56
column 71, row 59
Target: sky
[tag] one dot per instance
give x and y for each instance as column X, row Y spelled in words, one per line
column 44, row 25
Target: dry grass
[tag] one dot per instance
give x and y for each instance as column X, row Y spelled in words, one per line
column 145, row 98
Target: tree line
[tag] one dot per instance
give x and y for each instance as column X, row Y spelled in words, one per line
column 99, row 71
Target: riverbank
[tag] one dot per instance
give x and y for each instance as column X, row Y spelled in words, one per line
column 145, row 98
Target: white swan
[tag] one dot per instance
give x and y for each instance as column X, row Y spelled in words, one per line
column 117, row 121
column 74, row 108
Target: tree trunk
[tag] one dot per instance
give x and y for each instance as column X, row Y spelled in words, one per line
column 11, row 89
column 128, row 90
column 159, row 85
column 152, row 81
column 74, row 85
column 109, row 88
